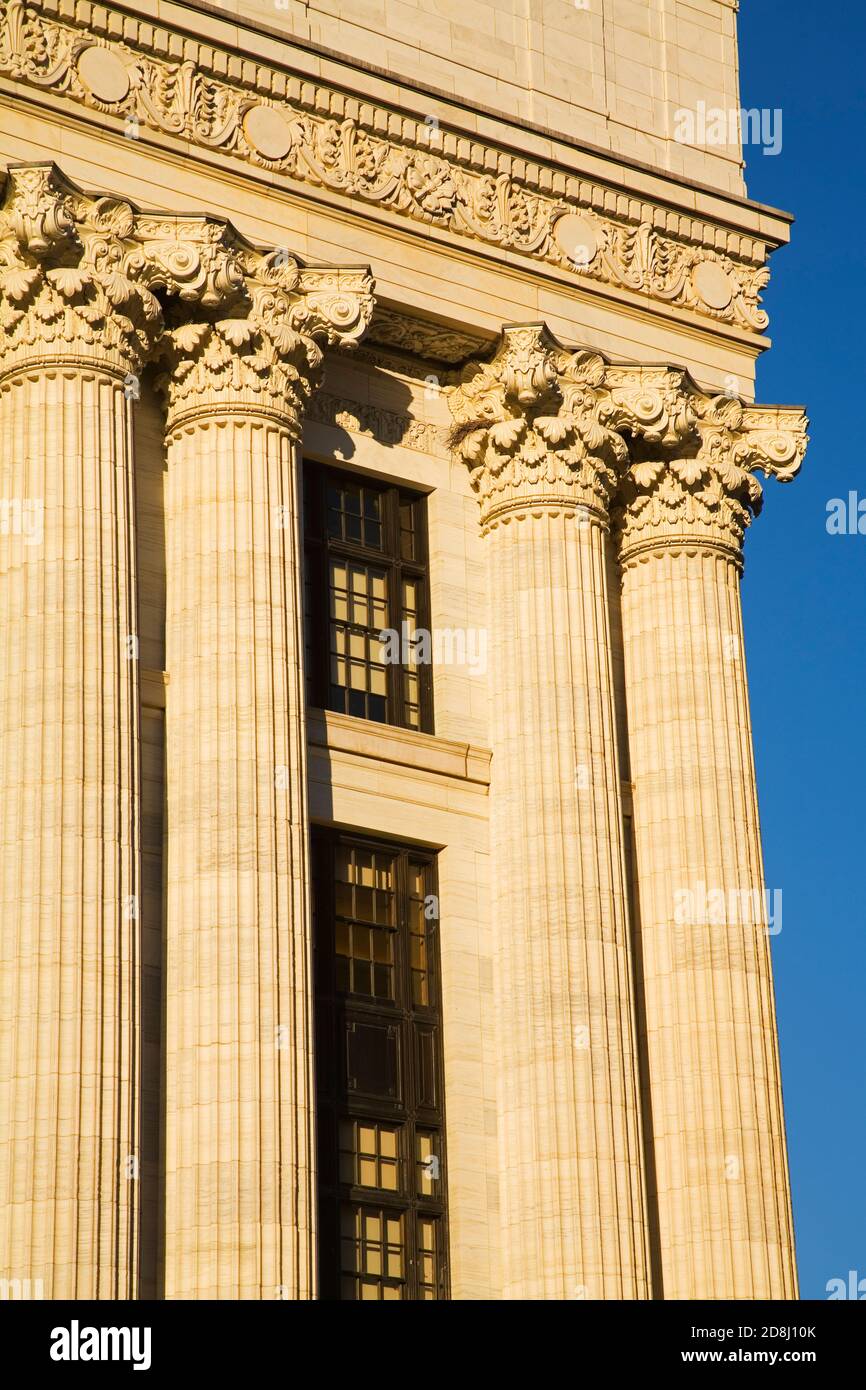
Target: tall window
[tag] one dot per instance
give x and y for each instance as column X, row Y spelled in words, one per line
column 382, row 1228
column 366, row 573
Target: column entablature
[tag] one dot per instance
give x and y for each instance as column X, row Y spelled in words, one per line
column 577, row 215
column 89, row 280
column 544, row 427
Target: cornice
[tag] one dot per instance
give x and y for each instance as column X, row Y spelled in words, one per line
column 126, row 69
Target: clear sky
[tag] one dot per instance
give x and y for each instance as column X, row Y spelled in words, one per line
column 805, row 610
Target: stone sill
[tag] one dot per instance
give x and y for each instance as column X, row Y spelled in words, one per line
column 386, row 743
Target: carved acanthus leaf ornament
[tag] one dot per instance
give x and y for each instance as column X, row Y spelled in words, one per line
column 92, row 278
column 541, row 426
column 269, row 356
column 706, row 494
column 66, row 289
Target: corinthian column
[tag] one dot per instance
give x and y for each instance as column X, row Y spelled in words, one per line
column 73, row 328
column 538, row 430
column 724, row 1211
column 239, row 1180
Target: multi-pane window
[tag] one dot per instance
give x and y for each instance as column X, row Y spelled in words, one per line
column 366, row 575
column 379, row 1072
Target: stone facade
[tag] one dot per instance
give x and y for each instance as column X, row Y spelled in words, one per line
column 471, row 258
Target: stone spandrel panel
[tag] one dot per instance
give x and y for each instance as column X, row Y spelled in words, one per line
column 610, row 73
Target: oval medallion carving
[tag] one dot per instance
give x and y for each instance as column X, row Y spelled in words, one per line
column 103, row 73
column 268, row 132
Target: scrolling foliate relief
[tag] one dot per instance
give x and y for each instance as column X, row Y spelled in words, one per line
column 542, row 426
column 321, row 137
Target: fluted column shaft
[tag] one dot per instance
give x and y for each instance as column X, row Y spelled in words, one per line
column 240, row 1133
column 724, row 1209
column 69, row 832
column 722, row 1192
column 533, row 426
column 239, row 1153
column 569, row 1137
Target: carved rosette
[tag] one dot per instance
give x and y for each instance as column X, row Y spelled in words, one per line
column 705, row 496
column 266, row 355
column 541, row 427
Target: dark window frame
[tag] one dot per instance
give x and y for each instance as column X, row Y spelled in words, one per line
column 320, row 548
column 335, row 1012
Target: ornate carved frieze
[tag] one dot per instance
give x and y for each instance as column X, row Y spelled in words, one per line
column 119, row 65
column 423, row 339
column 540, row 427
column 387, row 427
column 87, row 275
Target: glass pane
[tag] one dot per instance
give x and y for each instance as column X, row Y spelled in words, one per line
column 407, row 530
column 427, row 1163
column 359, row 612
column 377, row 1253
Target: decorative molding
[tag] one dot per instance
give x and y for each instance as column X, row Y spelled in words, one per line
column 117, row 64
column 385, row 426
column 543, row 429
column 421, row 338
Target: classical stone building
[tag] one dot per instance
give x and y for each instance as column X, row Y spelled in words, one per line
column 382, row 900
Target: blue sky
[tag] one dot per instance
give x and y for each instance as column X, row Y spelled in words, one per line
column 805, row 610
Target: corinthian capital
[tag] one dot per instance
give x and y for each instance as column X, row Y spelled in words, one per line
column 543, row 426
column 267, row 356
column 65, row 287
column 705, row 493
column 84, row 277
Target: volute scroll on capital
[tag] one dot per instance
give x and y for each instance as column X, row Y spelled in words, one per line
column 544, row 428
column 642, row 447
column 89, row 279
column 704, row 496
